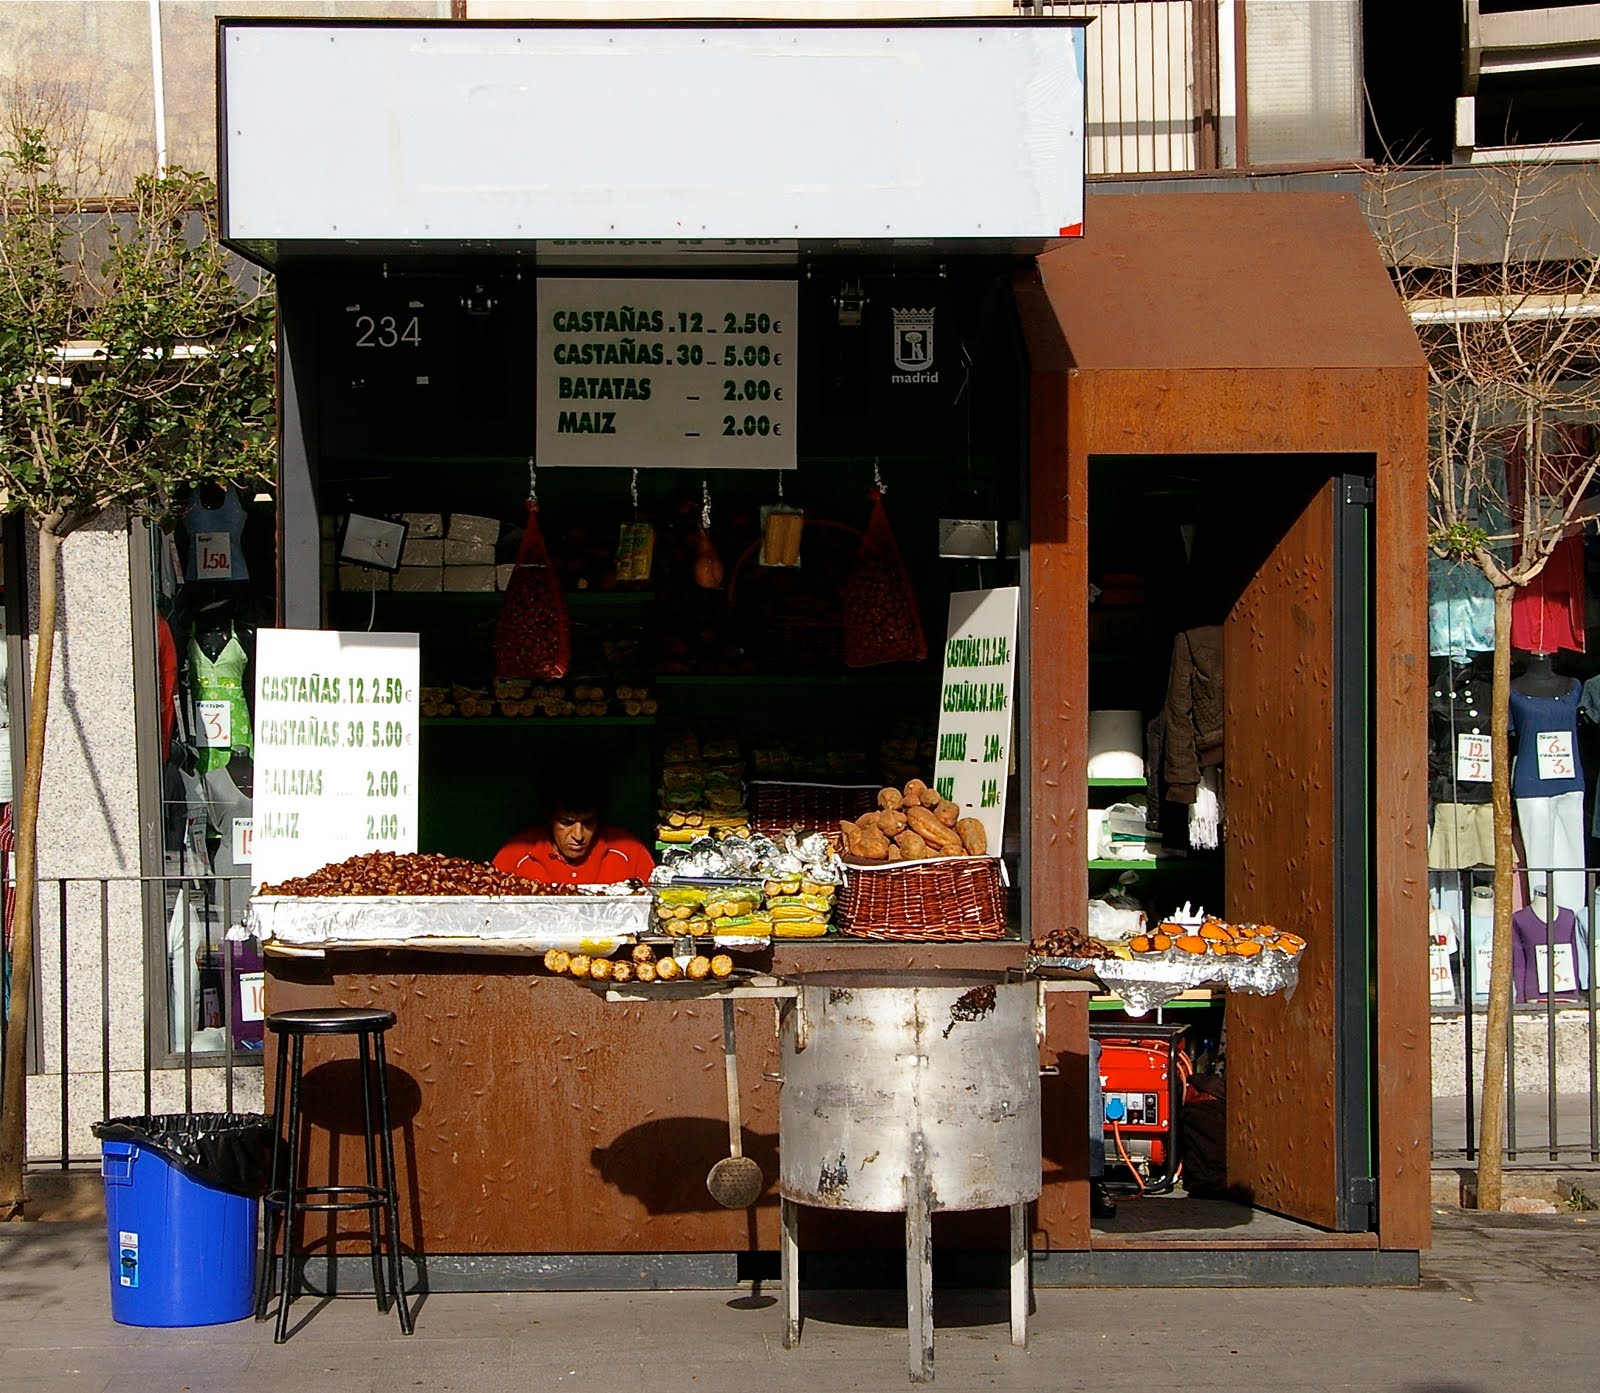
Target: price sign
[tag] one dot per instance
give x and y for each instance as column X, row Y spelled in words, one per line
column 667, row 374
column 1554, row 749
column 215, row 722
column 252, row 996
column 1473, row 759
column 336, row 748
column 214, row 555
column 975, row 706
column 1566, row 974
column 244, row 841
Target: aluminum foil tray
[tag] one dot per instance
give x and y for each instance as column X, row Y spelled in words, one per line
column 1148, row 982
column 536, row 922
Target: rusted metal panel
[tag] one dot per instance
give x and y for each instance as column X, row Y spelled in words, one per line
column 532, row 1116
column 1280, row 868
column 1203, row 281
column 1057, row 631
column 1403, row 1143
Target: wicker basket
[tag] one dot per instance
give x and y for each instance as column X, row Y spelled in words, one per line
column 951, row 899
column 777, row 807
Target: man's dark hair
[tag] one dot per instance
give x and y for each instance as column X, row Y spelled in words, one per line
column 574, row 786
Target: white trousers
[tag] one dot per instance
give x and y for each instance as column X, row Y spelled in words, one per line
column 1552, row 836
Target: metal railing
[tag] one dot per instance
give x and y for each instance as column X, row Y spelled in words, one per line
column 1154, row 85
column 139, row 1006
column 1553, row 1046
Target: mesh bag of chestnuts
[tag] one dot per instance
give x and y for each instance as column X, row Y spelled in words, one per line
column 533, row 635
column 881, row 622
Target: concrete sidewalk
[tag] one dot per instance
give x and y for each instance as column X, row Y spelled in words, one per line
column 1506, row 1301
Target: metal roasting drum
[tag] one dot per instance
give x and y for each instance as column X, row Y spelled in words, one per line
column 913, row 1091
column 887, row 1076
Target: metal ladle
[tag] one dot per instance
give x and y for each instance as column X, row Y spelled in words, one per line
column 735, row 1182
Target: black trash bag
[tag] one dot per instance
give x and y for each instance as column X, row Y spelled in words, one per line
column 230, row 1151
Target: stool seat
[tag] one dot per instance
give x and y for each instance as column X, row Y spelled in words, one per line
column 288, row 1197
column 330, row 1020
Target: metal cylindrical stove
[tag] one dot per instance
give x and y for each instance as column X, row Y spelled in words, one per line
column 913, row 1091
column 889, row 1075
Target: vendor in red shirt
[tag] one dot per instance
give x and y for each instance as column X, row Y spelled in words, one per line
column 573, row 847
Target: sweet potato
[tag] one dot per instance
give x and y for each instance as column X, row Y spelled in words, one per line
column 914, row 848
column 973, row 838
column 947, row 812
column 914, row 790
column 892, row 823
column 889, row 799
column 943, row 841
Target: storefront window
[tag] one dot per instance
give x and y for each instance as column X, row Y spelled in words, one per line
column 1555, row 746
column 214, row 579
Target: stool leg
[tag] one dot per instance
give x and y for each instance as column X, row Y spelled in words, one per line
column 919, row 1272
column 789, row 1270
column 270, row 1212
column 379, row 1286
column 393, row 1203
column 1019, row 1274
column 294, row 1198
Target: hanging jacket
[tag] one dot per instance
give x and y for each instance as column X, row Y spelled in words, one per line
column 1194, row 710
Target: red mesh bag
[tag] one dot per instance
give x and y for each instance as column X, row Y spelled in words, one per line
column 533, row 635
column 881, row 622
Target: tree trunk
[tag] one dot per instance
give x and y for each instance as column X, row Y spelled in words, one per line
column 14, row 1115
column 1491, row 1130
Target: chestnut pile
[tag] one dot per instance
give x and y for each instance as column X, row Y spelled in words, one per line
column 408, row 873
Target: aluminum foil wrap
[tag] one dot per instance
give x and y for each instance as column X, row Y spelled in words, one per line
column 750, row 858
column 592, row 923
column 1153, row 979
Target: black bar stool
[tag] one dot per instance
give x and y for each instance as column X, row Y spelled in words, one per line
column 284, row 1201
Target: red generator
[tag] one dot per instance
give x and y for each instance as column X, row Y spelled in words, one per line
column 1142, row 1073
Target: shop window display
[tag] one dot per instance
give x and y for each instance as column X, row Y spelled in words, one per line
column 213, row 574
column 1554, row 727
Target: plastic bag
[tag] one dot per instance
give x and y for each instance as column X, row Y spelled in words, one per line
column 881, row 622
column 533, row 635
column 229, row 1151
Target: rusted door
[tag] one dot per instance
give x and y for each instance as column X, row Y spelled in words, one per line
column 1296, row 764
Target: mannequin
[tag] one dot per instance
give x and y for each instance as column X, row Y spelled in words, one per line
column 1548, row 954
column 1540, row 679
column 1480, row 934
column 217, row 684
column 1546, row 778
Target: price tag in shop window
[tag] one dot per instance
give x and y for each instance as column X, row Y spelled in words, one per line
column 215, row 719
column 252, row 996
column 1554, row 748
column 243, row 841
column 1472, row 759
column 1566, row 969
column 213, row 555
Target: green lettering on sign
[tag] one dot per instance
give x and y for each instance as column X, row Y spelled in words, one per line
column 953, row 746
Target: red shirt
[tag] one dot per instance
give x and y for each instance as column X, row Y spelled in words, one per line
column 613, row 855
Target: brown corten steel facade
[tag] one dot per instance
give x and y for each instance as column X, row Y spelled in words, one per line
column 1265, row 326
column 534, row 1117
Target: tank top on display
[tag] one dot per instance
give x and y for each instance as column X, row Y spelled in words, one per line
column 216, row 538
column 1545, row 742
column 221, row 717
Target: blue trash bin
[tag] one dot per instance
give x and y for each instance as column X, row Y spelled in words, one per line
column 181, row 1253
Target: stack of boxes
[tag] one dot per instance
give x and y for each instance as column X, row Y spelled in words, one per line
column 443, row 552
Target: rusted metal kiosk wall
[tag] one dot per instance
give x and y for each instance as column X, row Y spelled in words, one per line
column 1227, row 326
column 537, row 1119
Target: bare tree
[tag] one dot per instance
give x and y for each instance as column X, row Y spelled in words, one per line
column 1493, row 268
column 131, row 362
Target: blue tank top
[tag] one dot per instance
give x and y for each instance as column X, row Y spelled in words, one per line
column 1544, row 736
